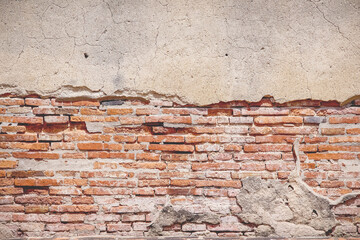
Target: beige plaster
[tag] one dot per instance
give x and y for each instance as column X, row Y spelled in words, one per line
column 200, row 51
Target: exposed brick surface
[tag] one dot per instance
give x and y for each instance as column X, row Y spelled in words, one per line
column 59, row 178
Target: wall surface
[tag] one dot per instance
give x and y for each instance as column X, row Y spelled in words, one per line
column 154, row 168
column 199, row 52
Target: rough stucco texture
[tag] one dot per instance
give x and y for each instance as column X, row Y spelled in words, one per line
column 198, row 52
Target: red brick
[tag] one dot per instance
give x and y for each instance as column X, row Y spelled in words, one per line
column 220, row 112
column 263, row 111
column 11, row 101
column 94, row 119
column 19, row 217
column 278, row 120
column 90, row 146
column 92, row 111
column 267, row 148
column 154, row 183
column 302, row 112
column 6, row 182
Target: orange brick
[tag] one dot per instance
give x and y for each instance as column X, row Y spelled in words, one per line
column 16, row 129
column 10, row 191
column 36, row 209
column 224, row 166
column 94, row 119
column 267, row 148
column 36, row 155
column 333, row 131
column 72, row 218
column 174, row 157
column 85, row 103
column 106, row 191
column 323, row 148
column 220, row 112
column 22, row 119
column 171, row 147
column 331, row 184
column 302, row 112
column 74, row 208
column 233, row 147
column 75, row 155
column 148, row 156
column 355, row 131
column 349, row 120
column 154, row 183
column 121, row 138
column 37, row 102
column 4, row 164
column 161, row 138
column 344, row 139
column 168, row 119
column 111, row 183
column 274, row 139
column 119, row 111
column 353, row 184
column 131, row 120
column 147, row 111
column 82, row 200
column 315, row 139
column 11, row 101
column 90, row 146
column 144, row 191
column 334, row 156
column 6, row 182
column 56, row 119
column 11, row 208
column 29, row 146
column 28, row 174
column 18, row 137
column 145, row 165
column 91, row 111
column 278, row 120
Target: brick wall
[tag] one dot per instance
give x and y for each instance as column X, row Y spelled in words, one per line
column 108, row 167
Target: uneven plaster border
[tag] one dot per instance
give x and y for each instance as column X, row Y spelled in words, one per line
column 295, row 176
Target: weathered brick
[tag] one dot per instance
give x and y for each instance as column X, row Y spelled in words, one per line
column 6, row 164
column 171, row 147
column 278, row 120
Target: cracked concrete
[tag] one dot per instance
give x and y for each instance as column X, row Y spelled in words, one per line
column 198, row 52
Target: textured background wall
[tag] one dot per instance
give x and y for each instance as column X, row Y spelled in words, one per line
column 199, row 51
column 153, row 168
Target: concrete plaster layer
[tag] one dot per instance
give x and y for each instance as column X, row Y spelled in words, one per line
column 199, row 52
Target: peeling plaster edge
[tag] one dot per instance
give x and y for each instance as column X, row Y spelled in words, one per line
column 74, row 93
column 296, row 176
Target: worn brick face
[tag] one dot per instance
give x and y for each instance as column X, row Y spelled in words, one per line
column 59, row 177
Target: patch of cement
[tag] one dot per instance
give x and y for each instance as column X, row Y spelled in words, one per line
column 6, row 232
column 288, row 209
column 169, row 216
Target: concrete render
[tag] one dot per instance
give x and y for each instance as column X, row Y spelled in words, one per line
column 197, row 52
